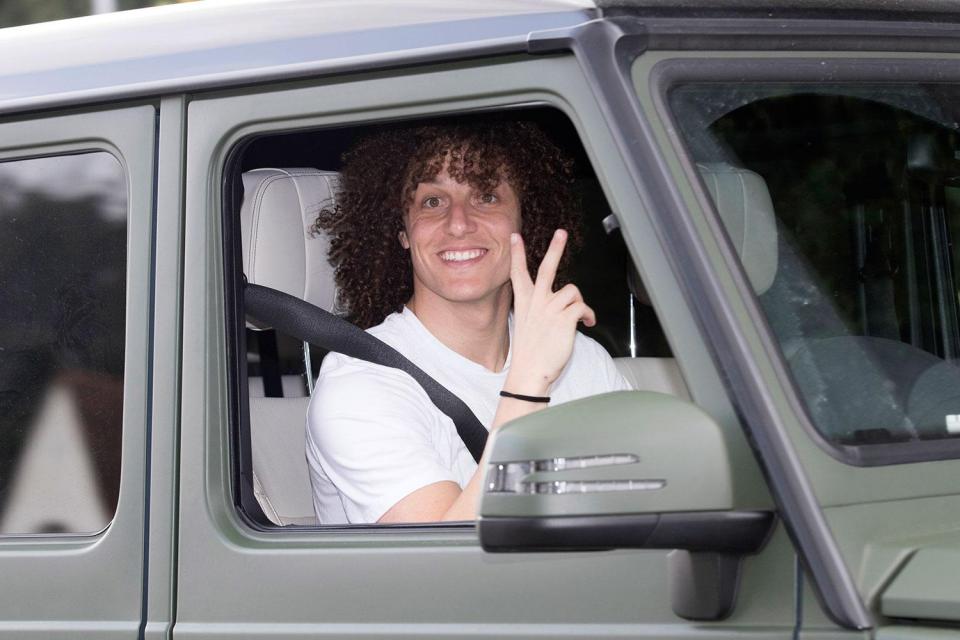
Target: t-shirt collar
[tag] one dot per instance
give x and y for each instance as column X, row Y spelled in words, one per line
column 433, row 342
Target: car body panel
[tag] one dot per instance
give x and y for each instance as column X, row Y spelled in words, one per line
column 204, row 45
column 865, row 508
column 173, row 91
column 83, row 591
column 215, row 545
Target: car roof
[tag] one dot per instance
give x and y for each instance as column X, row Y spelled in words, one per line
column 213, row 43
column 217, row 43
column 901, row 9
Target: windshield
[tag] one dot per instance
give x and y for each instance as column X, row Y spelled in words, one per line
column 861, row 184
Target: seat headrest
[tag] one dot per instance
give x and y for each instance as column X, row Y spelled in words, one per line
column 280, row 248
column 744, row 205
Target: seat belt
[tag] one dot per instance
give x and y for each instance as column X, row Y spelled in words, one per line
column 304, row 321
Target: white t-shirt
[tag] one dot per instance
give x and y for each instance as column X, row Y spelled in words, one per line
column 374, row 436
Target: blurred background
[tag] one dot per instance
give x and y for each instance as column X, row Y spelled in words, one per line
column 17, row 12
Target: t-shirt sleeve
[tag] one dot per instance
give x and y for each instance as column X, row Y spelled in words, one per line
column 372, row 435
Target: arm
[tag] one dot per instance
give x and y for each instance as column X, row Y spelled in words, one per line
column 545, row 324
column 370, row 440
column 445, row 501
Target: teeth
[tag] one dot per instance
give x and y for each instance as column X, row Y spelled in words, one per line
column 461, row 256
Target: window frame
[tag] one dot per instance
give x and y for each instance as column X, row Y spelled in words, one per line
column 239, row 402
column 46, row 564
column 226, row 158
column 215, row 538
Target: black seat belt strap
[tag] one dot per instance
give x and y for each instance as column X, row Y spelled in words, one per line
column 270, row 365
column 310, row 323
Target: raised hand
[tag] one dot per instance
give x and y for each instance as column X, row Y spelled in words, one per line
column 544, row 320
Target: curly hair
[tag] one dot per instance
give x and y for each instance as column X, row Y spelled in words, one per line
column 380, row 176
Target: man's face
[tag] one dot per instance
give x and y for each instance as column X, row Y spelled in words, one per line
column 459, row 240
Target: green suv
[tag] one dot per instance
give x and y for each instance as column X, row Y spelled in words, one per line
column 771, row 243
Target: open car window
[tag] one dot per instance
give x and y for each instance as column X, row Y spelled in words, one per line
column 279, row 371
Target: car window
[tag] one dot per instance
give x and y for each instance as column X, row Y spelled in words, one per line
column 62, row 304
column 280, row 371
column 857, row 268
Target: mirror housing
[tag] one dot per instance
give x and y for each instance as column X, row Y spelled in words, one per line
column 624, row 470
column 673, row 453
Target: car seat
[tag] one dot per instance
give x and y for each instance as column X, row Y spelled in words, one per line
column 281, row 251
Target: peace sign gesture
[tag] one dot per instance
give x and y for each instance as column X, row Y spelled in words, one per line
column 544, row 320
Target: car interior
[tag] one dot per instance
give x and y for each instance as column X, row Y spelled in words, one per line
column 287, row 178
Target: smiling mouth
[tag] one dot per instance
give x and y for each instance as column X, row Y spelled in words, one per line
column 461, row 256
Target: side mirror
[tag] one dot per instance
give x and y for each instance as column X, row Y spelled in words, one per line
column 626, row 470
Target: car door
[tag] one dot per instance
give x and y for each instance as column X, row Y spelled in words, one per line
column 77, row 211
column 239, row 579
column 844, row 367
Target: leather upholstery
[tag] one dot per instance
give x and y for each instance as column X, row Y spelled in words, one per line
column 743, row 202
column 281, row 479
column 280, row 249
column 653, row 374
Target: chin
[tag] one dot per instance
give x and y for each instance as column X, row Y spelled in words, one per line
column 465, row 297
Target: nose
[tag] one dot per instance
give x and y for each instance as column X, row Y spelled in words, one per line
column 460, row 219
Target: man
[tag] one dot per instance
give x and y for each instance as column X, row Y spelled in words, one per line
column 431, row 235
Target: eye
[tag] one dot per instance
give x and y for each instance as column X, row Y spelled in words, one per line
column 488, row 198
column 431, row 202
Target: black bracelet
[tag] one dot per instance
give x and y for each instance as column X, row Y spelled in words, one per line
column 517, row 396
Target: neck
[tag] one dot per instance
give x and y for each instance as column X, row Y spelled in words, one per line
column 476, row 330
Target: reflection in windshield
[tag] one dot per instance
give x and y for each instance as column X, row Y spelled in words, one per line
column 62, row 303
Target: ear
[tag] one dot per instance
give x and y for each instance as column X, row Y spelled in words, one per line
column 404, row 242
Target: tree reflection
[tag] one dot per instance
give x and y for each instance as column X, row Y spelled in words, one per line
column 62, row 303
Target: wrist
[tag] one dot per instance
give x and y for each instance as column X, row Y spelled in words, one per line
column 518, row 396
column 528, row 385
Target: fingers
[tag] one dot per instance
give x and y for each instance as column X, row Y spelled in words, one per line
column 580, row 312
column 568, row 301
column 588, row 318
column 551, row 260
column 566, row 296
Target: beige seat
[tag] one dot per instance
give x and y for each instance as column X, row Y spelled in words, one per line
column 281, row 482
column 653, row 374
column 743, row 202
column 280, row 251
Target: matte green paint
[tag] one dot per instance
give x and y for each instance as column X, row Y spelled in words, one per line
column 222, row 579
column 420, row 581
column 675, row 442
column 928, row 587
column 161, row 587
column 877, row 514
column 916, row 632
